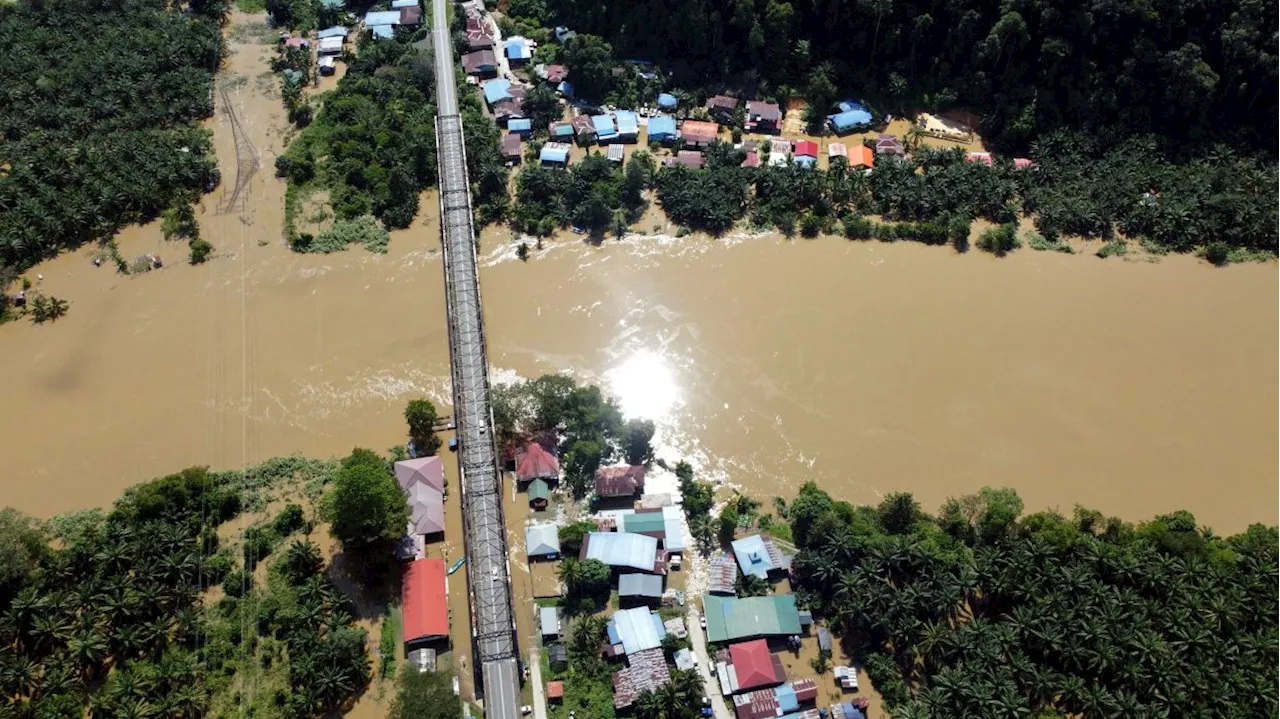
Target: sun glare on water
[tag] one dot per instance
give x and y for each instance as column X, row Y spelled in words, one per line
column 644, row 385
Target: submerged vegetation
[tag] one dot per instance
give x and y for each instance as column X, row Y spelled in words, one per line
column 88, row 145
column 372, row 144
column 110, row 612
column 585, row 423
column 981, row 611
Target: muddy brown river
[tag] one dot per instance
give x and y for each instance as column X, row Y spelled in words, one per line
column 1132, row 387
column 1128, row 386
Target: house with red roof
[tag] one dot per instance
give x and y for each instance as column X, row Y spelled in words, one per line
column 426, row 613
column 535, row 462
column 806, row 148
column 749, row 665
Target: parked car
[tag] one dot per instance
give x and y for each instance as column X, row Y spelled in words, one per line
column 457, row 687
column 526, row 710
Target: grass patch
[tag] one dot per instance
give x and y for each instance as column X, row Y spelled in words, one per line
column 251, row 6
column 387, row 643
column 1037, row 241
column 549, row 602
column 1114, row 248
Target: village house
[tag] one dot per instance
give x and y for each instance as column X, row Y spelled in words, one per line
column 479, row 36
column 624, row 551
column 480, row 62
column 862, row 156
column 853, row 117
column 889, row 145
column 584, row 130
column 626, row 481
column 542, row 541
column 511, row 147
column 554, row 154
column 722, row 108
column 628, row 126
column 806, row 153
column 519, row 50
column 662, row 128
column 697, row 133
column 759, row 556
column 689, row 158
column 561, row 131
column 746, row 666
column 764, row 117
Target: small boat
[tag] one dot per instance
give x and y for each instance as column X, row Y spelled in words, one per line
column 457, row 565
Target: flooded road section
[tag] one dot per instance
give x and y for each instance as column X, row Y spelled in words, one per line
column 1131, row 387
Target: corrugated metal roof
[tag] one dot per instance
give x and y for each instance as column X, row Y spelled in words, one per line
column 520, row 124
column 618, row 481
column 643, row 522
column 640, row 585
column 614, row 153
column 628, row 122
column 382, row 17
column 426, row 613
column 541, row 540
column 554, row 152
column 730, row 618
column 637, row 629
column 752, row 556
column 532, row 460
column 496, row 90
column 673, row 541
column 383, row 31
column 549, row 620
column 662, row 127
column 428, row 470
column 621, row 549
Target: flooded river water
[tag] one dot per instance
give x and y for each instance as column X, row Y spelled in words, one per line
column 1131, row 387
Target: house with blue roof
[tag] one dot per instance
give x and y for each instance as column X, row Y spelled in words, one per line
column 335, row 31
column 519, row 50
column 757, row 555
column 397, row 4
column 496, row 90
column 662, row 128
column 554, row 154
column 636, row 630
column 384, row 32
column 628, row 125
column 381, row 17
column 562, row 131
column 521, row 126
column 667, row 101
column 605, row 129
column 853, row 117
column 565, row 88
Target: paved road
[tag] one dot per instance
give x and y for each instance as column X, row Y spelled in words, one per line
column 709, row 684
column 535, row 677
column 484, row 523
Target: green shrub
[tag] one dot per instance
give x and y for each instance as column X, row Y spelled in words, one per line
column 200, row 250
column 365, row 230
column 1000, row 240
column 1114, row 248
column 1218, row 254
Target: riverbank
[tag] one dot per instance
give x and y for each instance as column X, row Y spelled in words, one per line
column 868, row 367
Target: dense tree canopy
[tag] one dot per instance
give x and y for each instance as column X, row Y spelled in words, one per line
column 424, row 695
column 366, row 506
column 984, row 612
column 372, row 145
column 99, row 105
column 1185, row 70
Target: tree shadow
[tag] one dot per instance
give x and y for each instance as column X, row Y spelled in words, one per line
column 371, row 580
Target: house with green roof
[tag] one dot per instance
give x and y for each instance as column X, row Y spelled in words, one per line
column 730, row 619
column 539, row 493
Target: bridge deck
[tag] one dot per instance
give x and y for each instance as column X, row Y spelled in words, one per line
column 484, row 524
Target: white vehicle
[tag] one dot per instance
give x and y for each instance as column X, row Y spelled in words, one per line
column 675, row 561
column 526, row 710
column 702, row 620
column 457, row 687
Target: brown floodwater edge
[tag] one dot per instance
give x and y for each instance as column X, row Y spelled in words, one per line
column 1133, row 387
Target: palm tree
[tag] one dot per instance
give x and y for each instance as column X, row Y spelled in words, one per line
column 570, row 573
column 649, row 705
column 913, row 137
